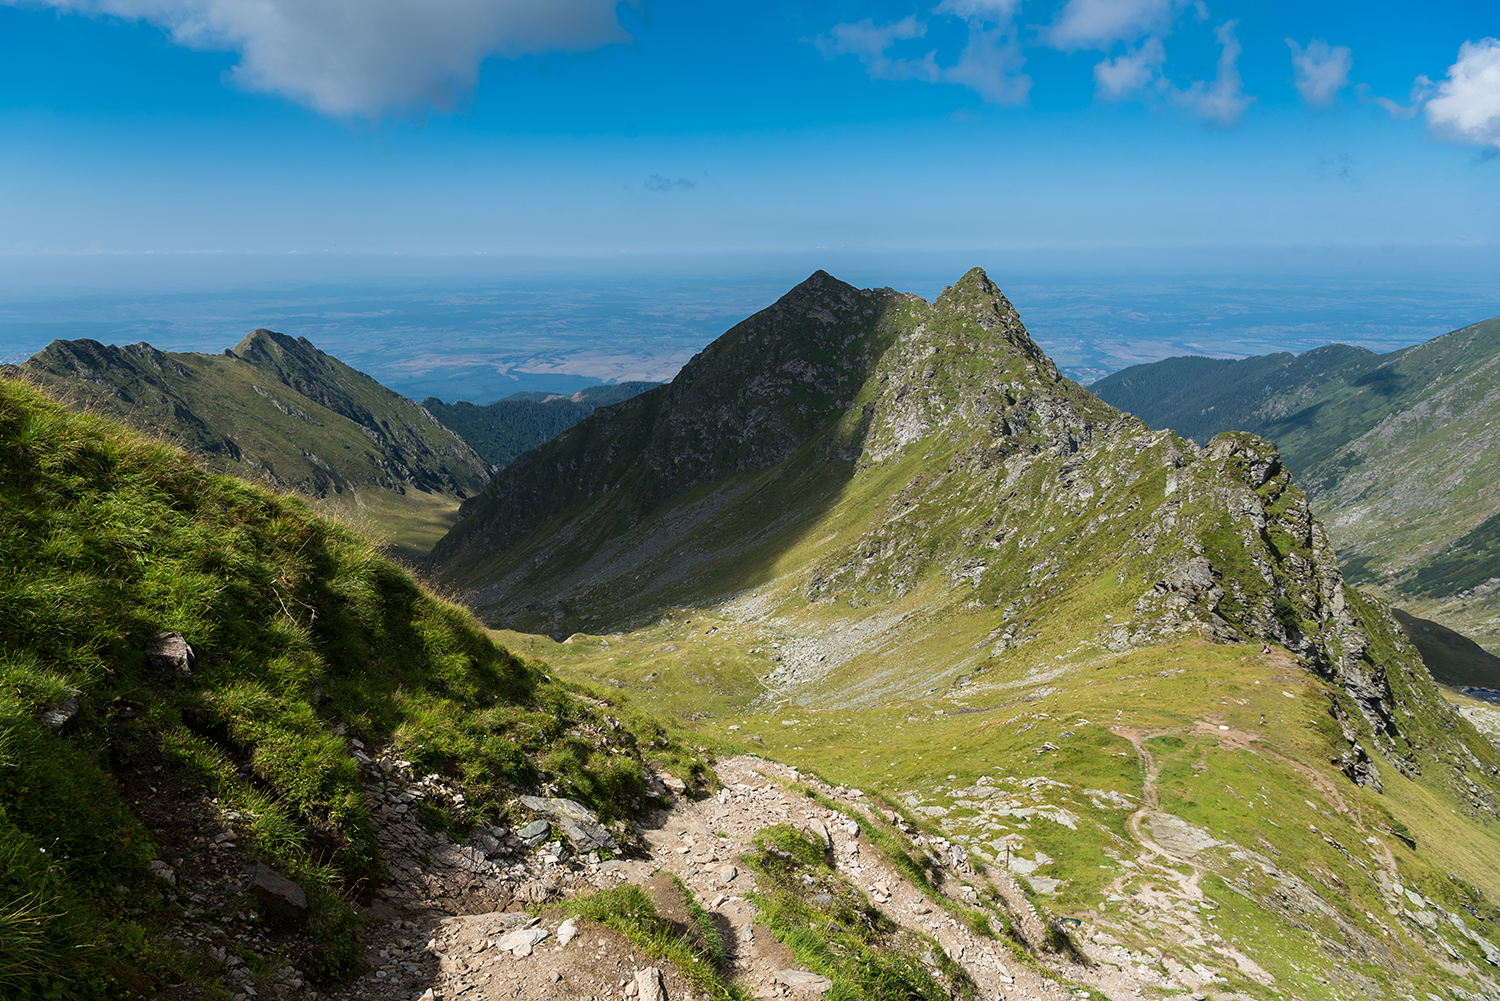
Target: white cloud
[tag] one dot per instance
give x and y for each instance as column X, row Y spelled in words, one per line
column 1467, row 106
column 1223, row 101
column 1131, row 72
column 990, row 63
column 993, row 11
column 366, row 57
column 1098, row 24
column 869, row 43
column 1320, row 71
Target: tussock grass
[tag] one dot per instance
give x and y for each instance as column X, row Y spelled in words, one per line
column 833, row 930
column 629, row 910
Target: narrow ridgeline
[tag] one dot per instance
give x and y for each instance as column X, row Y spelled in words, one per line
column 275, row 409
column 1396, row 451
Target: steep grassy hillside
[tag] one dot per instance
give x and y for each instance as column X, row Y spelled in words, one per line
column 275, row 409
column 132, row 793
column 1395, row 451
column 885, row 539
column 502, row 430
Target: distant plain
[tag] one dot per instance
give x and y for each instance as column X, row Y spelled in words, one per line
column 478, row 330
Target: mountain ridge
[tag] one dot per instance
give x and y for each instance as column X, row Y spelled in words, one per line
column 502, row 430
column 953, row 575
column 276, row 409
column 1393, row 449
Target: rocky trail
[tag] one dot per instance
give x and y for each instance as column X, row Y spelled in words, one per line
column 457, row 923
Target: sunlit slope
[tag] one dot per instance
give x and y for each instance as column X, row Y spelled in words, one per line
column 1022, row 616
column 309, row 646
column 279, row 411
column 1396, row 450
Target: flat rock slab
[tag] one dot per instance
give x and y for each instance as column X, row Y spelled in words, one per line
column 520, row 943
column 802, row 980
column 575, row 820
column 1178, row 836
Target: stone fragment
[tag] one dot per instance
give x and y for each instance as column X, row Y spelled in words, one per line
column 566, row 931
column 162, row 871
column 673, row 783
column 819, row 830
column 56, row 717
column 803, row 980
column 520, row 943
column 535, row 832
column 485, row 843
column 170, row 652
column 649, row 985
column 727, row 874
column 276, row 893
column 576, row 821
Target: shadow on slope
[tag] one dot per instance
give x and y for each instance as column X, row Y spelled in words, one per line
column 696, row 487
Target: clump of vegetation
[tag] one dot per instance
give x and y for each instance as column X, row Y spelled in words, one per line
column 698, row 953
column 834, row 931
column 306, row 639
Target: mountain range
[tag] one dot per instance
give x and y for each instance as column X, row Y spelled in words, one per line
column 502, row 430
column 861, row 528
column 277, row 410
column 1098, row 693
column 1395, row 450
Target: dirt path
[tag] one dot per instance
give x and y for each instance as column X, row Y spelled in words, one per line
column 426, row 943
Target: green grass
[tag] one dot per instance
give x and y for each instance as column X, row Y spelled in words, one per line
column 280, row 412
column 306, row 639
column 834, row 931
column 698, row 957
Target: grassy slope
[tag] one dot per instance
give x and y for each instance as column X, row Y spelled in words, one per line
column 306, row 639
column 281, row 412
column 502, row 430
column 888, row 585
column 1395, row 450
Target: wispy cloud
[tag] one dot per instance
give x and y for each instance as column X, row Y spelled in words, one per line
column 1466, row 107
column 1320, row 71
column 990, row 64
column 1099, row 24
column 1221, row 101
column 659, row 182
column 1131, row 73
column 368, row 57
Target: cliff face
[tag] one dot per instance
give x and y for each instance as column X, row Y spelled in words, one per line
column 1394, row 449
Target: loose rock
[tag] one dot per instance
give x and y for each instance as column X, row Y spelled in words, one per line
column 170, row 652
column 275, row 892
column 576, row 821
column 649, row 985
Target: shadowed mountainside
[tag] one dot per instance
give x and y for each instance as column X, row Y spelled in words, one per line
column 502, row 430
column 883, row 538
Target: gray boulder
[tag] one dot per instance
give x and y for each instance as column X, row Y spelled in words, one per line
column 276, row 893
column 170, row 652
column 576, row 821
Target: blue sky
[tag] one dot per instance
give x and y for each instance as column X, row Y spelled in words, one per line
column 582, row 127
